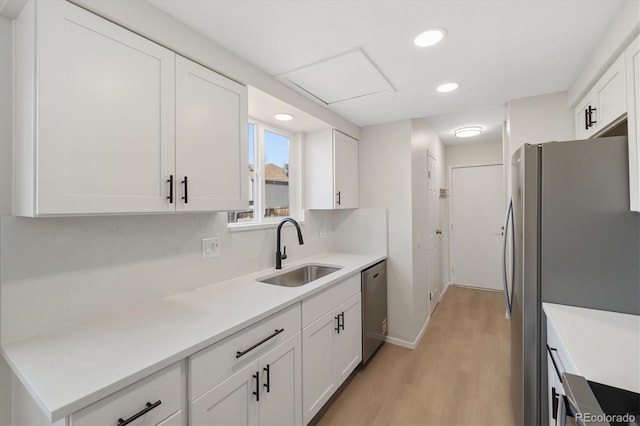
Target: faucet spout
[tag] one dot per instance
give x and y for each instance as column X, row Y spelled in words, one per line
column 279, row 254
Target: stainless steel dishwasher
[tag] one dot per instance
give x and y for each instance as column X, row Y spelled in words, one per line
column 374, row 309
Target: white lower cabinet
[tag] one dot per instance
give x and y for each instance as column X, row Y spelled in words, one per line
column 155, row 400
column 230, row 403
column 332, row 345
column 265, row 392
column 252, row 377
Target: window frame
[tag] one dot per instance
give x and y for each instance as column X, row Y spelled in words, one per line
column 295, row 178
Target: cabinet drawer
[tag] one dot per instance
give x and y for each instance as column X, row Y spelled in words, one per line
column 558, row 353
column 166, row 386
column 214, row 364
column 318, row 305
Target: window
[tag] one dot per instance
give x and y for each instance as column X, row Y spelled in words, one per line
column 272, row 178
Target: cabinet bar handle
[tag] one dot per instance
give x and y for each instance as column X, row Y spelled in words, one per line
column 337, row 318
column 554, row 403
column 170, row 182
column 341, row 325
column 586, row 119
column 591, row 120
column 553, row 360
column 257, row 391
column 275, row 333
column 141, row 413
column 186, row 190
column 268, row 384
column 339, row 197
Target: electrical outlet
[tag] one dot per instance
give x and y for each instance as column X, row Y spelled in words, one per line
column 323, row 231
column 210, row 247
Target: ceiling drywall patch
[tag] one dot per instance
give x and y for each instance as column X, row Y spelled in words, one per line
column 339, row 78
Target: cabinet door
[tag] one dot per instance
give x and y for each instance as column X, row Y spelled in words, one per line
column 318, row 372
column 345, row 171
column 105, row 102
column 281, row 397
column 211, row 140
column 232, row 402
column 609, row 95
column 583, row 131
column 349, row 340
column 632, row 57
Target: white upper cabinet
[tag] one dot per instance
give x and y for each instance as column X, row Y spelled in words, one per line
column 632, row 59
column 102, row 137
column 604, row 105
column 332, row 171
column 108, row 122
column 211, row 118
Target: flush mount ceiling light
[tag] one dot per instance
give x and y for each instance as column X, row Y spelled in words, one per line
column 283, row 116
column 447, row 87
column 430, row 37
column 467, row 132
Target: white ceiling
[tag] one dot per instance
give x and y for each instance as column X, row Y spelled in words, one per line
column 263, row 107
column 498, row 50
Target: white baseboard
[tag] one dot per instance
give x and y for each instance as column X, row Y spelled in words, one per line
column 446, row 287
column 406, row 343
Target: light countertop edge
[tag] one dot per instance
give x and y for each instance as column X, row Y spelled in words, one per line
column 69, row 369
column 603, row 346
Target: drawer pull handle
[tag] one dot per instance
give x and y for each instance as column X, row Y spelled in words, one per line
column 342, row 316
column 141, row 413
column 553, row 360
column 275, row 333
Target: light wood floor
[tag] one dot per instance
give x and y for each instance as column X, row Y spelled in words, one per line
column 458, row 374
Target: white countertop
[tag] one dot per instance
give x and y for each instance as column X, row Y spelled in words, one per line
column 70, row 369
column 603, row 346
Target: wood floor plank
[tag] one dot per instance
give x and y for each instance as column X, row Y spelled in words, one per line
column 458, row 374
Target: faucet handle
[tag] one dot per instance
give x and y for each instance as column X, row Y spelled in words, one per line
column 284, row 253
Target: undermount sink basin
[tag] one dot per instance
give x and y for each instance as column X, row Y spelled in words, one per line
column 300, row 276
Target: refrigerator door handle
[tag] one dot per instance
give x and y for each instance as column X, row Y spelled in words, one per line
column 507, row 219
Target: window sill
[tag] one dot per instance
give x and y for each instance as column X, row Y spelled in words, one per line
column 242, row 227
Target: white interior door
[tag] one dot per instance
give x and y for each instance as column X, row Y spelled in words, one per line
column 434, row 233
column 477, row 209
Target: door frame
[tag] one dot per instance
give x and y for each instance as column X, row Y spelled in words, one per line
column 450, row 205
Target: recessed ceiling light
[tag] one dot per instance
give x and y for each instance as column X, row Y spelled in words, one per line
column 447, row 87
column 467, row 132
column 430, row 37
column 283, row 116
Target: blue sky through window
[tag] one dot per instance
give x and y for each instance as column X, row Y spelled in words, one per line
column 276, row 149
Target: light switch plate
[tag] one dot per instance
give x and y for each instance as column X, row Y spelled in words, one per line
column 210, row 247
column 323, row 231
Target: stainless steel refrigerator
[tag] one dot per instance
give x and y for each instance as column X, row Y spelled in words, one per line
column 574, row 242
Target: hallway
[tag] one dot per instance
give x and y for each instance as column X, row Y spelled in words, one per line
column 458, row 374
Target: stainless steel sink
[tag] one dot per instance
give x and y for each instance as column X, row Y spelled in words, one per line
column 300, row 276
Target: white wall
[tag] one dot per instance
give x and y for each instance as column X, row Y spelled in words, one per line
column 539, row 119
column 385, row 182
column 474, row 154
column 58, row 271
column 424, row 140
column 393, row 175
column 6, row 157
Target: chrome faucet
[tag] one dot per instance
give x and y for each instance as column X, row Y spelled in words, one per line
column 281, row 256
